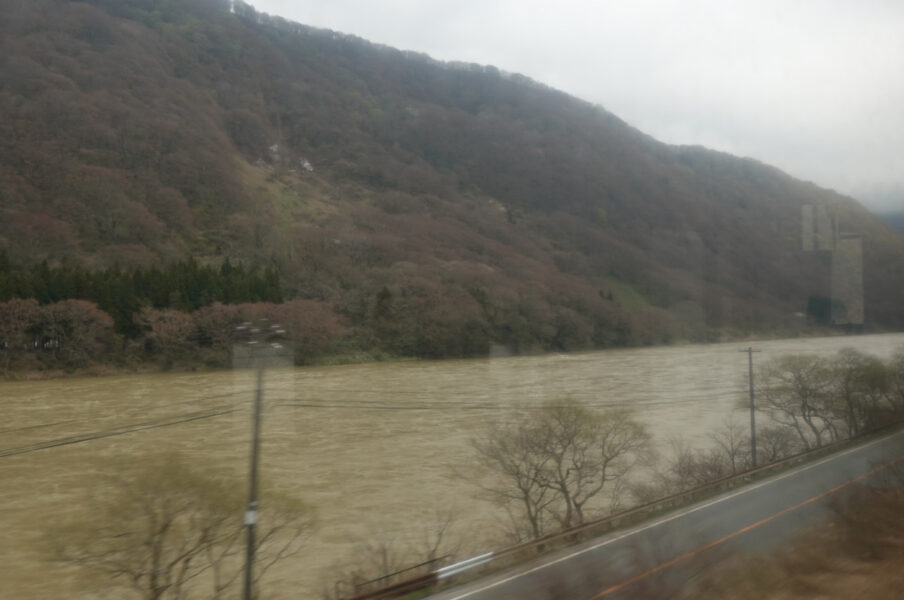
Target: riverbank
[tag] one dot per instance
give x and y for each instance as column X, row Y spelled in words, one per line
column 129, row 362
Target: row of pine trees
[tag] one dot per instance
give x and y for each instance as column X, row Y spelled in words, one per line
column 185, row 286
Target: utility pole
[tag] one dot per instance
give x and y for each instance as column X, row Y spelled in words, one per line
column 258, row 344
column 750, row 352
column 251, row 512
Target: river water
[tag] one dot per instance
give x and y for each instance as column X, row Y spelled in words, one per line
column 370, row 447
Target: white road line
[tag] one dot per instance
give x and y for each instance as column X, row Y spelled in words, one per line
column 689, row 511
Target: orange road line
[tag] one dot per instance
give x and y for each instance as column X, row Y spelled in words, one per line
column 721, row 540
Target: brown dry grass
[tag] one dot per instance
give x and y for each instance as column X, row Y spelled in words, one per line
column 858, row 554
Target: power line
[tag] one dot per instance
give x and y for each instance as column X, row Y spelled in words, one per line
column 149, row 407
column 427, row 404
column 441, row 400
column 41, row 425
column 87, row 437
column 319, row 403
column 437, row 393
column 146, row 408
column 365, row 404
column 377, row 405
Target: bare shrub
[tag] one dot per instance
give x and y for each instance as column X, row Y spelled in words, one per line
column 859, row 552
column 861, row 385
column 163, row 530
column 732, row 442
column 380, row 559
column 896, row 381
column 775, row 442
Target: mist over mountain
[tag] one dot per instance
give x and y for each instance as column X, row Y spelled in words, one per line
column 438, row 208
column 895, row 220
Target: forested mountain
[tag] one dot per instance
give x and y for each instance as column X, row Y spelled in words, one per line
column 436, row 208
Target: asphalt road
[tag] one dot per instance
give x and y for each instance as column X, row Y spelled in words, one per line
column 656, row 559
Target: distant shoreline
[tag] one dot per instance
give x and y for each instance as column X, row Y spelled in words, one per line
column 149, row 367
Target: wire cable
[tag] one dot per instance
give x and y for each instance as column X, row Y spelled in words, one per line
column 87, row 437
column 145, row 408
column 378, row 405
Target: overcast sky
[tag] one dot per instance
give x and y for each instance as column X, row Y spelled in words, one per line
column 814, row 87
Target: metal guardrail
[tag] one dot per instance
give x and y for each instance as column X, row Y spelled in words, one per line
column 399, row 589
column 387, row 589
column 405, row 570
column 608, row 522
column 464, row 565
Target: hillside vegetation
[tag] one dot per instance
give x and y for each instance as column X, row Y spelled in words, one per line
column 436, row 209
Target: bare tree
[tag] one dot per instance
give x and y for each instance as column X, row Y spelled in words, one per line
column 575, row 469
column 733, row 445
column 896, row 381
column 438, row 537
column 624, row 443
column 861, row 384
column 158, row 529
column 517, row 459
column 681, row 472
column 775, row 442
column 687, row 467
column 795, row 391
column 552, row 463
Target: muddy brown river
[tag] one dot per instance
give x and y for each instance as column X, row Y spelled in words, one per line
column 370, row 447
